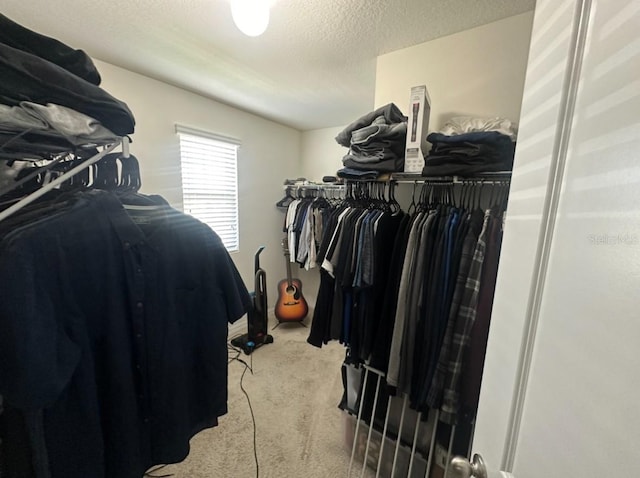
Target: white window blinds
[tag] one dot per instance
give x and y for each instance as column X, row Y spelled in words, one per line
column 210, row 182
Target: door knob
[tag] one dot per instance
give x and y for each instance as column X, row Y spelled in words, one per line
column 462, row 468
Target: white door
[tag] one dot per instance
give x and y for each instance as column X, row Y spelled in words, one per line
column 561, row 387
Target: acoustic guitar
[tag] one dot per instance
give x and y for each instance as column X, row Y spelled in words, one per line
column 291, row 305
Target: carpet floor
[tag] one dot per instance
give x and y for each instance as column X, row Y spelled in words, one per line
column 294, row 390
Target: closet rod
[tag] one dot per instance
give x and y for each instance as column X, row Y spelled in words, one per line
column 53, row 184
column 406, row 178
column 454, row 180
column 314, row 187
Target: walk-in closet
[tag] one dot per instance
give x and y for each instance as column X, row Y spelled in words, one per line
column 279, row 239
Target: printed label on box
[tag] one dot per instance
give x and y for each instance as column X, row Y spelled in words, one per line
column 417, row 125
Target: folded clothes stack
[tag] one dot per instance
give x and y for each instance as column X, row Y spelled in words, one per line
column 48, row 128
column 50, row 95
column 376, row 142
column 358, row 174
column 467, row 146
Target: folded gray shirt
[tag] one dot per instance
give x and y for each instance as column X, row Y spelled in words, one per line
column 75, row 127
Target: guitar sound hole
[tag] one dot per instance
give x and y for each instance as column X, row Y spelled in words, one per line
column 290, row 289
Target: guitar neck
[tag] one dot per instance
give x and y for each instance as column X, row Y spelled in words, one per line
column 288, row 261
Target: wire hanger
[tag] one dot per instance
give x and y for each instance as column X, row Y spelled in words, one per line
column 59, row 180
column 413, row 206
column 30, row 176
column 395, row 205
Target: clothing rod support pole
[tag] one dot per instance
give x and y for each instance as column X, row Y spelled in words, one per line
column 384, row 437
column 355, row 434
column 432, row 445
column 413, row 448
column 453, row 435
column 395, row 455
column 373, row 412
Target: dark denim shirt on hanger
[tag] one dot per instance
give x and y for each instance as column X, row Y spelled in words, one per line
column 115, row 325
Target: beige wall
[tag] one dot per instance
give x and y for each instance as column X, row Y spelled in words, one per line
column 321, row 155
column 477, row 72
column 269, row 153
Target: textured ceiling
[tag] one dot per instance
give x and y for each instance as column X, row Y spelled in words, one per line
column 314, row 67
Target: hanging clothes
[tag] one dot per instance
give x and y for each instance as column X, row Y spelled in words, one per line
column 304, row 225
column 473, row 364
column 113, row 330
column 462, row 320
column 415, row 317
column 355, row 256
column 469, row 242
column 437, row 304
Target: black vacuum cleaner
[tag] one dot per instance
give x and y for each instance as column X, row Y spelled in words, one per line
column 257, row 318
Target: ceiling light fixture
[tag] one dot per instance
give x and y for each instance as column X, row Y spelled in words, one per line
column 250, row 16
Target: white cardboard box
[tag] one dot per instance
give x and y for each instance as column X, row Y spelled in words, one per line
column 417, row 126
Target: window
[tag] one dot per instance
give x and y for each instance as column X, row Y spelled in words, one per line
column 210, row 182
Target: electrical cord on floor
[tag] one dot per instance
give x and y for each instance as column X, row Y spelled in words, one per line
column 237, row 358
column 232, row 350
